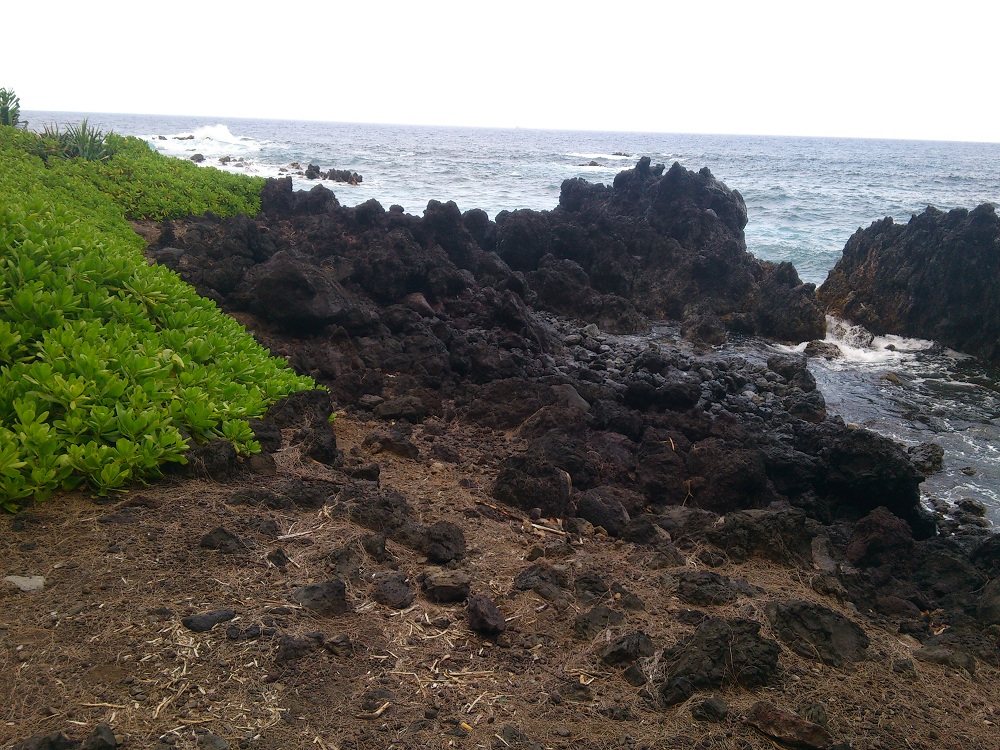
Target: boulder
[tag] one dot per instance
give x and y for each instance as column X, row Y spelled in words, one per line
column 817, row 632
column 936, row 277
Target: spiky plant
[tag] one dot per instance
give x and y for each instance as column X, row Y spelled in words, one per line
column 85, row 142
column 10, row 109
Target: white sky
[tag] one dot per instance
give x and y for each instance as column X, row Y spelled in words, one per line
column 837, row 68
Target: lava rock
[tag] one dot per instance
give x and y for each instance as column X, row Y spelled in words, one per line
column 933, row 278
column 444, row 542
column 720, row 653
column 394, row 591
column 220, row 539
column 704, row 587
column 484, row 617
column 447, row 586
column 787, row 728
column 713, row 709
column 328, row 598
column 817, row 632
column 202, row 623
column 627, row 649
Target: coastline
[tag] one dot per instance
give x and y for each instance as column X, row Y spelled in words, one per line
column 603, row 512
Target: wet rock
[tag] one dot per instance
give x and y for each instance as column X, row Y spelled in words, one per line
column 932, row 278
column 220, row 539
column 713, row 709
column 202, row 623
column 328, row 598
column 787, row 728
column 927, row 457
column 394, row 591
column 444, row 542
column 703, row 587
column 627, row 649
column 484, row 617
column 447, row 586
column 794, row 368
column 817, row 632
column 824, row 349
column 704, row 329
column 720, row 653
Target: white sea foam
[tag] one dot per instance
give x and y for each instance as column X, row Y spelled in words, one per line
column 214, row 142
column 609, row 157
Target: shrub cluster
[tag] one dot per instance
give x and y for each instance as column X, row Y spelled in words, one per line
column 111, row 367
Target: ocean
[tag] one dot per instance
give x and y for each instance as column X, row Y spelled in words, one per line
column 804, row 196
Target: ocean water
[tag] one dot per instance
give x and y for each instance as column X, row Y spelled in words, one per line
column 804, row 196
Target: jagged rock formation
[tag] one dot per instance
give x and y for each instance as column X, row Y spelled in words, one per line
column 936, row 277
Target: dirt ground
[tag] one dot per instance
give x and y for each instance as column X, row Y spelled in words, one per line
column 103, row 641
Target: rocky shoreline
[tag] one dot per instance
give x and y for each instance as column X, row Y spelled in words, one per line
column 451, row 344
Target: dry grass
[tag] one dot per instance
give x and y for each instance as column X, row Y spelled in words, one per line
column 98, row 644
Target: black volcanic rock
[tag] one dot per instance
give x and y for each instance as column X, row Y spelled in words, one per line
column 936, row 277
column 662, row 242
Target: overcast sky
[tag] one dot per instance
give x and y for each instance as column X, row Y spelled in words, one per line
column 842, row 68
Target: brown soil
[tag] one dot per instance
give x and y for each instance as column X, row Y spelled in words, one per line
column 103, row 642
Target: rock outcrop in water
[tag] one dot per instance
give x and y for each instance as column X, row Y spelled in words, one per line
column 670, row 244
column 936, row 277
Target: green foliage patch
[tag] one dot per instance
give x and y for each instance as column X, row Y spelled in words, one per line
column 110, row 367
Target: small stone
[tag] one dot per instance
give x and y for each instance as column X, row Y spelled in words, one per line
column 102, row 738
column 904, row 667
column 484, row 617
column 447, row 586
column 222, row 540
column 788, row 728
column 394, row 591
column 339, row 645
column 327, row 598
column 202, row 623
column 210, row 741
column 27, row 583
column 634, row 676
column 627, row 649
column 292, row 647
column 710, row 709
column 535, row 553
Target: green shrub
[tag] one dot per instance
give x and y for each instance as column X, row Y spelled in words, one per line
column 110, row 367
column 149, row 185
